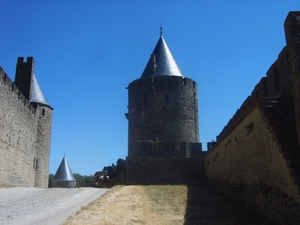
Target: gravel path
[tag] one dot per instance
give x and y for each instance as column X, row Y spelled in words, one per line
column 51, row 206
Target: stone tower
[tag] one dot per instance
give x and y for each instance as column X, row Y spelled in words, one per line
column 163, row 109
column 27, row 83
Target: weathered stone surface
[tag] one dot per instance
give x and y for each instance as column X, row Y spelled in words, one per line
column 161, row 109
column 160, row 170
column 256, row 156
column 25, row 132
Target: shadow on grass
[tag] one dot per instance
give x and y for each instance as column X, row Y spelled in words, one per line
column 206, row 206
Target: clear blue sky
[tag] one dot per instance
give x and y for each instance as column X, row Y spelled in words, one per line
column 87, row 52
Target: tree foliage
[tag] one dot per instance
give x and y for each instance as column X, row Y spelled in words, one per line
column 88, row 181
column 121, row 165
column 113, row 170
column 84, row 181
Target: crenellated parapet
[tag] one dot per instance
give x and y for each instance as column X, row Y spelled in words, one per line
column 162, row 82
column 26, row 124
column 276, row 83
column 10, row 88
column 256, row 157
column 282, row 78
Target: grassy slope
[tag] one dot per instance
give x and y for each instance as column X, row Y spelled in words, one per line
column 165, row 204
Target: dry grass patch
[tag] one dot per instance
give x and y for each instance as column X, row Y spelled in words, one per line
column 153, row 204
column 167, row 199
column 165, row 204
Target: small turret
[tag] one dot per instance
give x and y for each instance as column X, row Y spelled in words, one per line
column 27, row 83
column 64, row 176
column 37, row 95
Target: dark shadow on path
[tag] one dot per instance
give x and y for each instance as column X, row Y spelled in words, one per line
column 206, row 206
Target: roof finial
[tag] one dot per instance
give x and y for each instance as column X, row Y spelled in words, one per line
column 161, row 31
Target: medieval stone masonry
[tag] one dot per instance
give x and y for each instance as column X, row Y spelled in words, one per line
column 256, row 158
column 163, row 124
column 163, row 113
column 25, row 129
column 163, row 109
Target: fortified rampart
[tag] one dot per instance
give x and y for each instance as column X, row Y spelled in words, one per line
column 156, row 170
column 256, row 158
column 277, row 83
column 25, row 131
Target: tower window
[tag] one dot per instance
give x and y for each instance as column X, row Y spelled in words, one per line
column 43, row 112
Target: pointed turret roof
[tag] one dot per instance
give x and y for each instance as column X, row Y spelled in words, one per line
column 64, row 172
column 162, row 61
column 37, row 95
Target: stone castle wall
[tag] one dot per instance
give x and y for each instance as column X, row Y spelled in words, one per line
column 292, row 36
column 162, row 170
column 247, row 161
column 42, row 146
column 278, row 82
column 248, row 165
column 25, row 132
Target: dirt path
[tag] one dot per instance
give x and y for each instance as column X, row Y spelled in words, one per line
column 42, row 205
column 165, row 204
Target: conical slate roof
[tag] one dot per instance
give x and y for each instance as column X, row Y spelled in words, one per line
column 162, row 61
column 64, row 172
column 37, row 95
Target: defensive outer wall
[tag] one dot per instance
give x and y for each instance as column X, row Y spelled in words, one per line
column 25, row 131
column 256, row 158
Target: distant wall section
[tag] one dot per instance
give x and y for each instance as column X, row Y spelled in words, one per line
column 256, row 156
column 17, row 135
column 250, row 157
column 25, row 134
